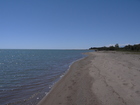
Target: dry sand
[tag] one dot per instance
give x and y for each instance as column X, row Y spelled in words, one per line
column 102, row 78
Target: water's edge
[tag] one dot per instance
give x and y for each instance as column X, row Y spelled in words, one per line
column 61, row 77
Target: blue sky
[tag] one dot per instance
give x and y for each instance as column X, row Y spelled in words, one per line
column 68, row 24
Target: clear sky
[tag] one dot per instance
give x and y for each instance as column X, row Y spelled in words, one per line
column 68, row 24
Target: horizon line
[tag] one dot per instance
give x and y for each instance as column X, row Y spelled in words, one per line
column 37, row 49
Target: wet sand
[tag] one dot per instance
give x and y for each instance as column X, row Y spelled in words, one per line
column 101, row 78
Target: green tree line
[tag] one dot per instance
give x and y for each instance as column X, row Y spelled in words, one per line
column 135, row 47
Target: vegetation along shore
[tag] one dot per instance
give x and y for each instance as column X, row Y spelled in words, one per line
column 134, row 48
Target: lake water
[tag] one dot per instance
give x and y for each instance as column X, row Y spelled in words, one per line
column 26, row 76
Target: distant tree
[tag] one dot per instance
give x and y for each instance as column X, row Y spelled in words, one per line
column 111, row 48
column 117, row 46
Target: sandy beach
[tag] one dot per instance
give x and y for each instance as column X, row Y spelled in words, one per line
column 101, row 78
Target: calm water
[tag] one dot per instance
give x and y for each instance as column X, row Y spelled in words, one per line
column 27, row 75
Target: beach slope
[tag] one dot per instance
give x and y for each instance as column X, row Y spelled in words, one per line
column 101, row 78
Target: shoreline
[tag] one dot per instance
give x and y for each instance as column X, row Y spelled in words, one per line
column 101, row 78
column 71, row 72
column 55, row 85
column 61, row 77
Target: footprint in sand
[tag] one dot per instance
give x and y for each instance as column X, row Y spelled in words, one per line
column 125, row 84
column 135, row 75
column 137, row 92
column 69, row 98
column 70, row 87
